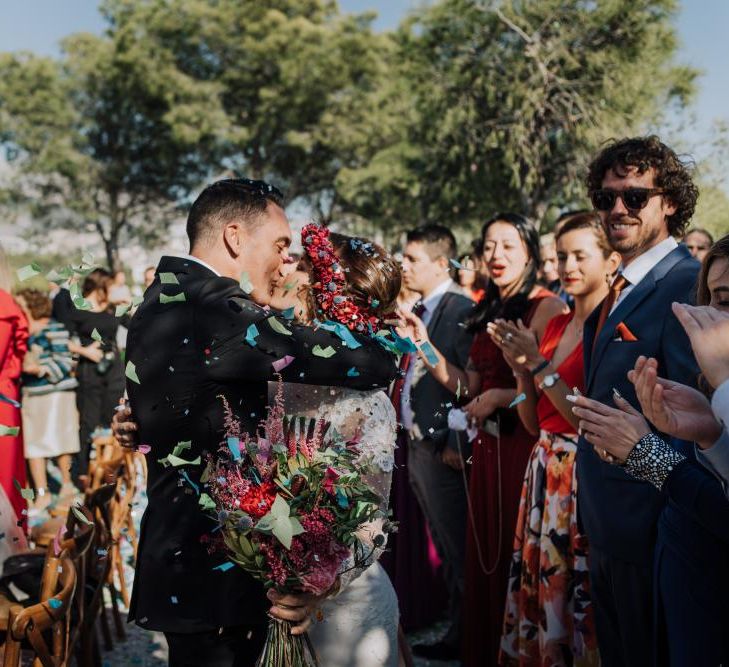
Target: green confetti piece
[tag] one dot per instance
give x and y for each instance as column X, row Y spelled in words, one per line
column 59, row 275
column 131, row 372
column 278, row 327
column 176, row 461
column 245, row 282
column 206, row 502
column 167, row 278
column 177, row 298
column 81, row 516
column 9, row 430
column 325, row 352
column 28, row 494
column 122, row 309
column 181, row 446
column 95, row 335
column 28, row 271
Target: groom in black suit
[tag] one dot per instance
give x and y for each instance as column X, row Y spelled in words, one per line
column 203, row 332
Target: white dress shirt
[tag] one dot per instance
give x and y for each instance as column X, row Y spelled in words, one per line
column 430, row 303
column 199, row 261
column 642, row 265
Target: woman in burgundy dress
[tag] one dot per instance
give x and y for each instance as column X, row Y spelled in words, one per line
column 549, row 618
column 502, row 447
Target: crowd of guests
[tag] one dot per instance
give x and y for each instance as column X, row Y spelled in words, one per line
column 563, row 460
column 61, row 375
column 573, row 474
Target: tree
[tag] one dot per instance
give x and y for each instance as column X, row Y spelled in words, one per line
column 112, row 135
column 512, row 97
column 291, row 73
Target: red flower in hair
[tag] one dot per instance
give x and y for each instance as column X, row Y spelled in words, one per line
column 330, row 283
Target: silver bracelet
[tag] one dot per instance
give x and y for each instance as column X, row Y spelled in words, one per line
column 652, row 460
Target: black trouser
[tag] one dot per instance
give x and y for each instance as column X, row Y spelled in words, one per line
column 96, row 397
column 441, row 494
column 622, row 596
column 228, row 647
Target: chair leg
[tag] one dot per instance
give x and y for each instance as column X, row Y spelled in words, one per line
column 121, row 634
column 105, row 629
column 12, row 647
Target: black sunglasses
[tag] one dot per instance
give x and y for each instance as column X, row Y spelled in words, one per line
column 634, row 199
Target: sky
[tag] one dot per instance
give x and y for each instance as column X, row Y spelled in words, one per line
column 38, row 25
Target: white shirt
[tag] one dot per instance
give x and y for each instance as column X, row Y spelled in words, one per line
column 199, row 261
column 430, row 303
column 642, row 265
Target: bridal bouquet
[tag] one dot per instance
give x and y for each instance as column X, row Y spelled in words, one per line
column 288, row 502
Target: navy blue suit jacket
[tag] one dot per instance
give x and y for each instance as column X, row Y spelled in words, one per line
column 619, row 513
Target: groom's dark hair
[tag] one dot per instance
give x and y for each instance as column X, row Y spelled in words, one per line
column 223, row 201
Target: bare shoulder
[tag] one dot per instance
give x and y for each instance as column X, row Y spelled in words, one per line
column 547, row 309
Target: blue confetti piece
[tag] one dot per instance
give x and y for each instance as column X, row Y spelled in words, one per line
column 430, row 356
column 7, row 399
column 55, row 604
column 224, row 567
column 251, row 335
column 521, row 397
column 173, row 599
column 342, row 500
column 288, row 314
column 353, row 372
column 404, row 345
column 342, row 332
column 190, row 482
column 234, row 447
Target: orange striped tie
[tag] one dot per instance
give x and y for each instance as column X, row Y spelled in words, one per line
column 619, row 284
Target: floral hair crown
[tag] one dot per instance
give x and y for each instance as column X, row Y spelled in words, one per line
column 330, row 282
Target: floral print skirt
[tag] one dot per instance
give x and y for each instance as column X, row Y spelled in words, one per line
column 549, row 618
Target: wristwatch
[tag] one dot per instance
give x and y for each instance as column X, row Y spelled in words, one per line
column 549, row 381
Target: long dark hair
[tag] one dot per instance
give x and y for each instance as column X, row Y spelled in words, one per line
column 720, row 250
column 516, row 306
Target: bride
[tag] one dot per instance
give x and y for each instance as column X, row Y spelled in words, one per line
column 348, row 284
column 346, row 281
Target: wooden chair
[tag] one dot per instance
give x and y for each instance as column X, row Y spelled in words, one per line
column 51, row 614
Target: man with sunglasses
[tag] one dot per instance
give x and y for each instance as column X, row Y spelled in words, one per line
column 645, row 197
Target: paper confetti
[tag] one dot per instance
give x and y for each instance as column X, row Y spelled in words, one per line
column 288, row 314
column 9, row 430
column 167, row 278
column 206, row 502
column 55, row 603
column 342, row 332
column 234, row 447
column 181, row 446
column 430, row 356
column 176, row 461
column 278, row 327
column 455, row 263
column 325, row 352
column 280, row 364
column 81, row 516
column 520, row 398
column 177, row 298
column 28, row 271
column 131, row 372
column 224, row 567
column 122, row 309
column 251, row 334
column 353, row 372
column 95, row 335
column 245, row 282
column 7, row 399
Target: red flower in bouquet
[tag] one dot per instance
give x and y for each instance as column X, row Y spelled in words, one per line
column 258, row 499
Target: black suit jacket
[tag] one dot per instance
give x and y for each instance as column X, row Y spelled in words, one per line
column 618, row 512
column 429, row 399
column 187, row 355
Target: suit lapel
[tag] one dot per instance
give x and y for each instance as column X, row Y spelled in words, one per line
column 637, row 295
column 437, row 314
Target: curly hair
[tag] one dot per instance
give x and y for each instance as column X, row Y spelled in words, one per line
column 671, row 174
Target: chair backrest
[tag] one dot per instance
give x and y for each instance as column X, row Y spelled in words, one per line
column 51, row 613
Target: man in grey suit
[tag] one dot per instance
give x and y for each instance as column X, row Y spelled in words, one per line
column 436, row 469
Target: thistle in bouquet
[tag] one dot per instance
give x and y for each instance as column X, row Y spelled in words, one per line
column 288, row 502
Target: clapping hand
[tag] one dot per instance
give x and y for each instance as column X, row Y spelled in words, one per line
column 517, row 342
column 612, row 432
column 412, row 327
column 674, row 408
column 708, row 331
column 124, row 427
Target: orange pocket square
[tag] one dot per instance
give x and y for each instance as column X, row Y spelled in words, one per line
column 623, row 333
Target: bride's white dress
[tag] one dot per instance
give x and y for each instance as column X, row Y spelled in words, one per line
column 359, row 626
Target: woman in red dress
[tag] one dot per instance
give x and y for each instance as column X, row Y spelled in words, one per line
column 13, row 345
column 502, row 447
column 549, row 618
